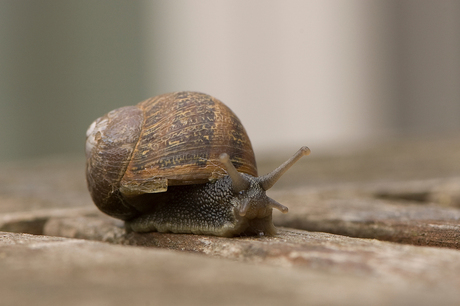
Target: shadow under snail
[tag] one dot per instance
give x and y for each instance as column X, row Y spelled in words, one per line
column 183, row 163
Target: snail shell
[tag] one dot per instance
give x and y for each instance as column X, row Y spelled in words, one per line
column 165, row 154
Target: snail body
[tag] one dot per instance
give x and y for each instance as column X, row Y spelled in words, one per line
column 182, row 163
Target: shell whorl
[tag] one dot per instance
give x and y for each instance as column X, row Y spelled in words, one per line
column 110, row 143
column 171, row 139
column 182, row 137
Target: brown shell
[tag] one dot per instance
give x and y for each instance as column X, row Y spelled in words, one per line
column 171, row 139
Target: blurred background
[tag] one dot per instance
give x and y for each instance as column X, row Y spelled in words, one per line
column 333, row 75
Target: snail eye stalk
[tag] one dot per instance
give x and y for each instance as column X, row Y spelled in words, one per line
column 267, row 181
column 239, row 182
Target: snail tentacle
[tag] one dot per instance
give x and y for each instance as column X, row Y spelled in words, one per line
column 267, row 181
column 239, row 182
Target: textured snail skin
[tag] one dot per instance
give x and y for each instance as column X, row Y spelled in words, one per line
column 210, row 209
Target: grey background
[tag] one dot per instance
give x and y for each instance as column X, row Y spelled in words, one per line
column 320, row 73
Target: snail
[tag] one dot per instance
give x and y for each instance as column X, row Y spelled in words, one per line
column 183, row 163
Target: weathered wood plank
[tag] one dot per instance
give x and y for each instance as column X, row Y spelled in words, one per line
column 406, row 192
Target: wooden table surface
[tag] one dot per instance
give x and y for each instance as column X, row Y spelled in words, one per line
column 379, row 225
